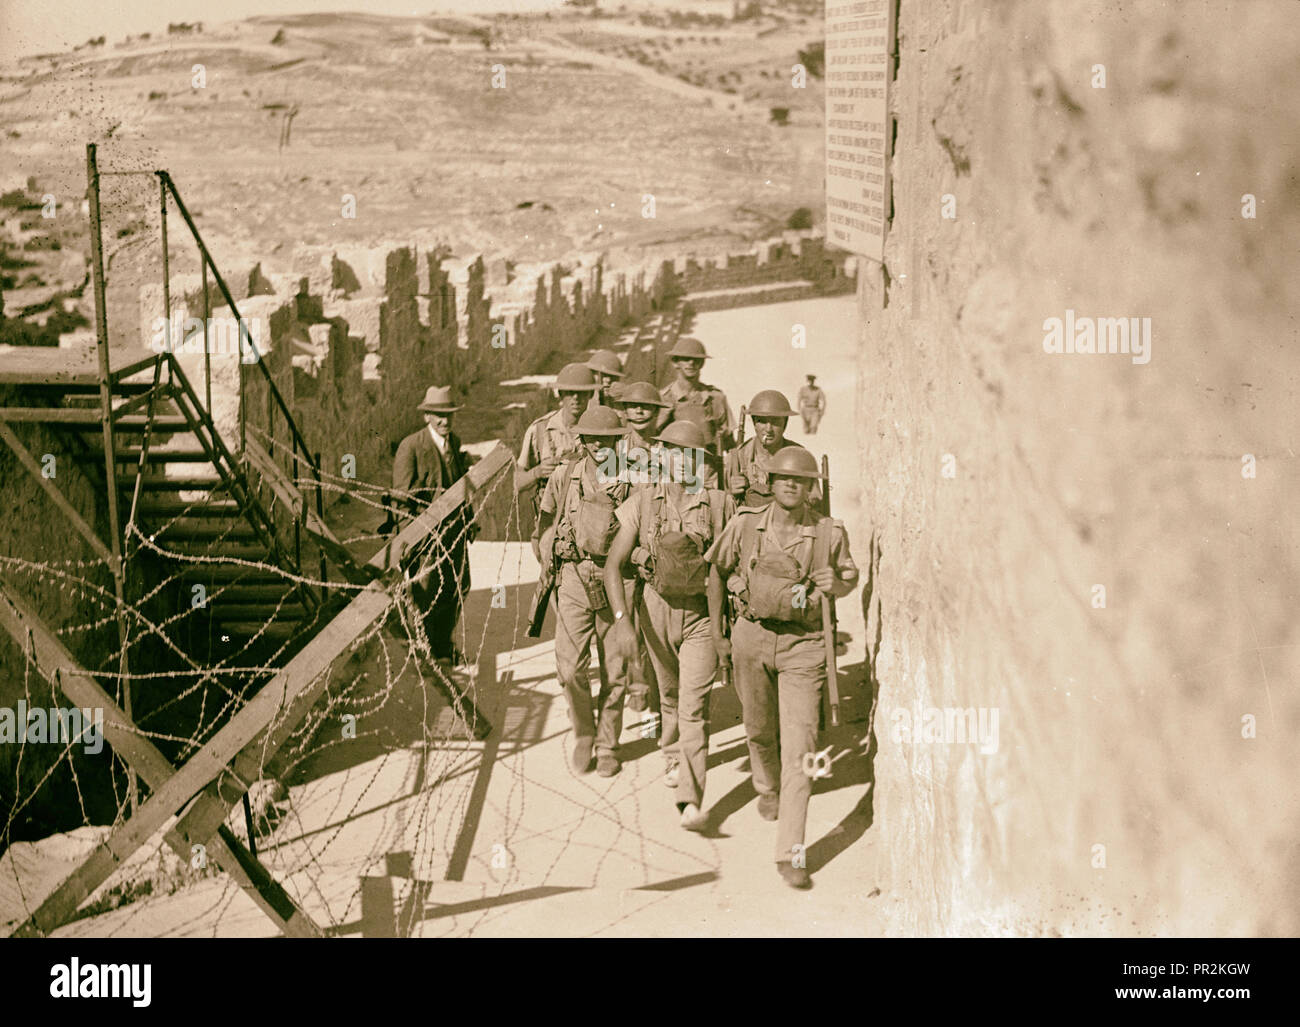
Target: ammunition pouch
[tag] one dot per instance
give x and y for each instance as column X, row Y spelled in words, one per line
column 595, row 526
column 679, row 568
column 592, row 580
column 777, row 590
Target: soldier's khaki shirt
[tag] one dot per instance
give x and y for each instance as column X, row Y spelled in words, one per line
column 683, row 510
column 748, row 533
column 545, row 438
column 560, row 499
column 750, row 461
column 678, row 392
column 812, row 398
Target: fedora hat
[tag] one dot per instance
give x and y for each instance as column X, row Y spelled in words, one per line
column 437, row 400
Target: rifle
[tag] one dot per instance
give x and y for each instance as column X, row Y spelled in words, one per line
column 541, row 600
column 740, row 432
column 828, row 614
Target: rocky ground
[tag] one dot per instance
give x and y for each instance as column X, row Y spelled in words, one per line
column 363, row 130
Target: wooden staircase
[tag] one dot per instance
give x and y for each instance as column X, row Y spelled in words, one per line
column 236, row 527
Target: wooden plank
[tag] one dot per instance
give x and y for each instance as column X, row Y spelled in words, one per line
column 52, row 490
column 48, row 365
column 249, row 738
column 51, row 415
column 58, row 666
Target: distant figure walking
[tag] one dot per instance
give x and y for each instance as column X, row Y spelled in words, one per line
column 812, row 404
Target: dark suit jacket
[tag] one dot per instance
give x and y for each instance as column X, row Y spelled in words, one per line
column 420, row 471
column 420, row 474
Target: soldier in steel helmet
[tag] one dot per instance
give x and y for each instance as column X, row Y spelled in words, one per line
column 639, row 405
column 664, row 530
column 552, row 437
column 608, row 369
column 812, row 405
column 689, row 398
column 575, row 526
column 777, row 562
column 747, row 464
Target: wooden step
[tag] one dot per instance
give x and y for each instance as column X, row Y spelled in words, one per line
column 191, row 527
column 278, row 630
column 162, row 483
column 250, row 577
column 160, row 456
column 208, row 507
column 205, row 547
column 223, row 610
column 239, row 592
column 168, row 424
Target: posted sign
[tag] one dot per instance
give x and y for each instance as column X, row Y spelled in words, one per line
column 858, row 44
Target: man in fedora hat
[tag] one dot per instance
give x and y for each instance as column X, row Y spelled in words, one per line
column 812, row 404
column 427, row 463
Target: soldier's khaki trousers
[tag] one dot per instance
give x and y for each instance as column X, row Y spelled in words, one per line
column 575, row 626
column 680, row 645
column 779, row 675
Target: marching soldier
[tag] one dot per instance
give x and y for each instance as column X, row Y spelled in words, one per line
column 777, row 563
column 608, row 369
column 664, row 530
column 812, row 404
column 427, row 463
column 690, row 399
column 747, row 465
column 640, row 405
column 551, row 438
column 575, row 527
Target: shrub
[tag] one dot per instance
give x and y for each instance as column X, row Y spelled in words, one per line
column 801, row 218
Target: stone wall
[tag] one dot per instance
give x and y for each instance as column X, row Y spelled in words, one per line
column 794, row 257
column 1148, row 736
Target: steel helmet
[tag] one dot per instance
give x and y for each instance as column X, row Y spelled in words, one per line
column 575, row 378
column 793, row 462
column 600, row 421
column 684, row 435
column 688, row 347
column 770, row 403
column 640, row 394
column 605, row 361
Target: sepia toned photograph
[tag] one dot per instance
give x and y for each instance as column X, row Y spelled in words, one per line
column 675, row 469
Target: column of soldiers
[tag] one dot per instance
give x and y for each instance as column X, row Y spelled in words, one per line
column 679, row 553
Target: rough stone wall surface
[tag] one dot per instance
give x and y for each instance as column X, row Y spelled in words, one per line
column 1120, row 727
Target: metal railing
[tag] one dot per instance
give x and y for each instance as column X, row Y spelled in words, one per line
column 301, row 454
